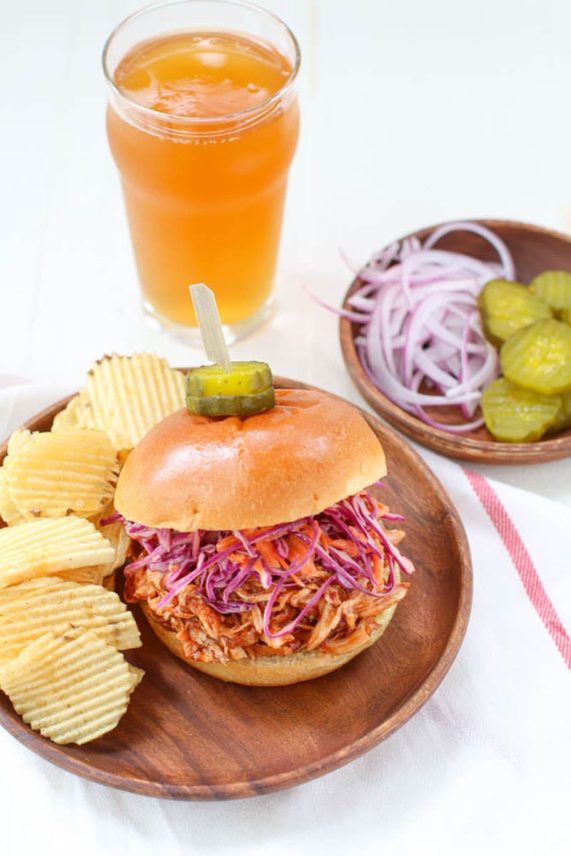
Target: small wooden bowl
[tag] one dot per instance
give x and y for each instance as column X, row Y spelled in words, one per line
column 189, row 736
column 534, row 250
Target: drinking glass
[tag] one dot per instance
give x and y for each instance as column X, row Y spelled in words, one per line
column 203, row 123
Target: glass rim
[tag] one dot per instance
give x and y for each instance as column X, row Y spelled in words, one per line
column 203, row 120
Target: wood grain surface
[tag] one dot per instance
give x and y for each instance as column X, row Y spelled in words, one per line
column 189, row 736
column 534, row 250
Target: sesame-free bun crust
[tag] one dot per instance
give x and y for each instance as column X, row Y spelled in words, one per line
column 191, row 472
column 271, row 671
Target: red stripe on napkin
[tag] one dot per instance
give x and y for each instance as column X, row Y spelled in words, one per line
column 522, row 562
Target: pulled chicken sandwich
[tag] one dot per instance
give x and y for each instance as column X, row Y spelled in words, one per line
column 261, row 555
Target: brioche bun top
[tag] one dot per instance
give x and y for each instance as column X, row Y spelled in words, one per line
column 192, row 472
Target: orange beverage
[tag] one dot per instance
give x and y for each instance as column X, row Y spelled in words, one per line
column 203, row 125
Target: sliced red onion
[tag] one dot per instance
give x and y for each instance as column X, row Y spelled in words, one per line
column 356, row 317
column 484, row 232
column 418, row 324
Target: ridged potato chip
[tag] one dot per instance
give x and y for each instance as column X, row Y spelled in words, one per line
column 49, row 547
column 96, row 574
column 18, row 441
column 72, row 688
column 76, row 414
column 31, row 609
column 115, row 534
column 8, row 511
column 72, row 471
column 130, row 395
column 118, row 538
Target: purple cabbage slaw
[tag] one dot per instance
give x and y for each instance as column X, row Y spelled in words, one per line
column 192, row 557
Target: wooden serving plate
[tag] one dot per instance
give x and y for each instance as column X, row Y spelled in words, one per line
column 534, row 250
column 189, row 736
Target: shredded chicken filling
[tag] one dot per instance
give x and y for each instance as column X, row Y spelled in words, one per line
column 266, row 621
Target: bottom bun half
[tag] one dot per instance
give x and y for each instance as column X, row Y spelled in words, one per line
column 270, row 671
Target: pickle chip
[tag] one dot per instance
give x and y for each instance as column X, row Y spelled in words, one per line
column 554, row 286
column 516, row 415
column 245, row 378
column 507, row 307
column 230, row 405
column 245, row 390
column 563, row 420
column 539, row 357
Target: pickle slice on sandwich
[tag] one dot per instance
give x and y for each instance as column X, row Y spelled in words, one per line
column 245, row 390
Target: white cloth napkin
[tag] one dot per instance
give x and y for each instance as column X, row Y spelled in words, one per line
column 483, row 767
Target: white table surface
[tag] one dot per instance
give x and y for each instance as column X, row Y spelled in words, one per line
column 413, row 113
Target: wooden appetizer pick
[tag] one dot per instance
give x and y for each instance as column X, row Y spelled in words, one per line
column 210, row 325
